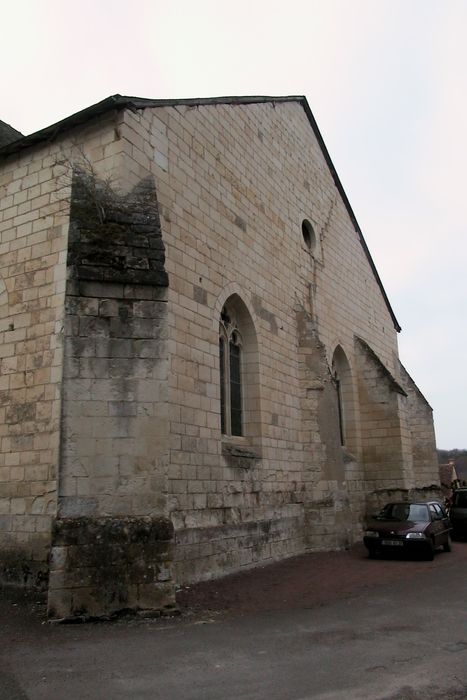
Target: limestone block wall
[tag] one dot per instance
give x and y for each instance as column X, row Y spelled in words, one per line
column 224, row 190
column 33, row 235
column 107, row 551
column 422, row 435
column 34, row 213
column 332, row 478
column 234, row 185
column 114, row 437
column 114, row 446
column 387, row 462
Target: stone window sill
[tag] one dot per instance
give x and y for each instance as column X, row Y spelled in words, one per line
column 238, row 453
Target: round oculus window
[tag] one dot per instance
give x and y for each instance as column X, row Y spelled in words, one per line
column 309, row 235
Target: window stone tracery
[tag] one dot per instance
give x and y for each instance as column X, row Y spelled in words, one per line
column 231, row 374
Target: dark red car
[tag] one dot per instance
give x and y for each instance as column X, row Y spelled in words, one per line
column 419, row 528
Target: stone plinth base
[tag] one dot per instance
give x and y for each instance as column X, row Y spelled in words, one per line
column 104, row 566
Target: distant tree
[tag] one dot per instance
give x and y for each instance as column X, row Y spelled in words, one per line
column 460, row 461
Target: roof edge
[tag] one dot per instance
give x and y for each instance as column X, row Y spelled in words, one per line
column 8, row 133
column 348, row 206
column 117, row 102
column 50, row 132
column 122, row 102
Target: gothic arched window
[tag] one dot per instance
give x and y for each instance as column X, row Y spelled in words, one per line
column 231, row 374
column 340, row 406
column 342, row 378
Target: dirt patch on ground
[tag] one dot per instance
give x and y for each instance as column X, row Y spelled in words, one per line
column 304, row 581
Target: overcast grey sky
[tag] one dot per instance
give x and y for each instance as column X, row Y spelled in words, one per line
column 386, row 80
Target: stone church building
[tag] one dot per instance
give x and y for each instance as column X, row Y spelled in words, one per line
column 199, row 363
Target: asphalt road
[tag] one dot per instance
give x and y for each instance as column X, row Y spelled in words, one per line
column 402, row 640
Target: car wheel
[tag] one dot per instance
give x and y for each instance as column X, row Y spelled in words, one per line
column 447, row 545
column 371, row 554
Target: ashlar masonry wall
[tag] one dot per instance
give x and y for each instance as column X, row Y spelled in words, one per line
column 115, row 432
column 234, row 184
column 419, row 416
column 386, row 451
column 33, row 235
column 34, row 216
column 112, row 380
column 111, row 540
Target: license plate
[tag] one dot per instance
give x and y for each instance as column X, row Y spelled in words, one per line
column 392, row 543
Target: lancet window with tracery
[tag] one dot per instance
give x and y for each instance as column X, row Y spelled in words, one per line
column 231, row 374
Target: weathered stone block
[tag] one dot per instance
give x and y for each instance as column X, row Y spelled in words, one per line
column 101, row 566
